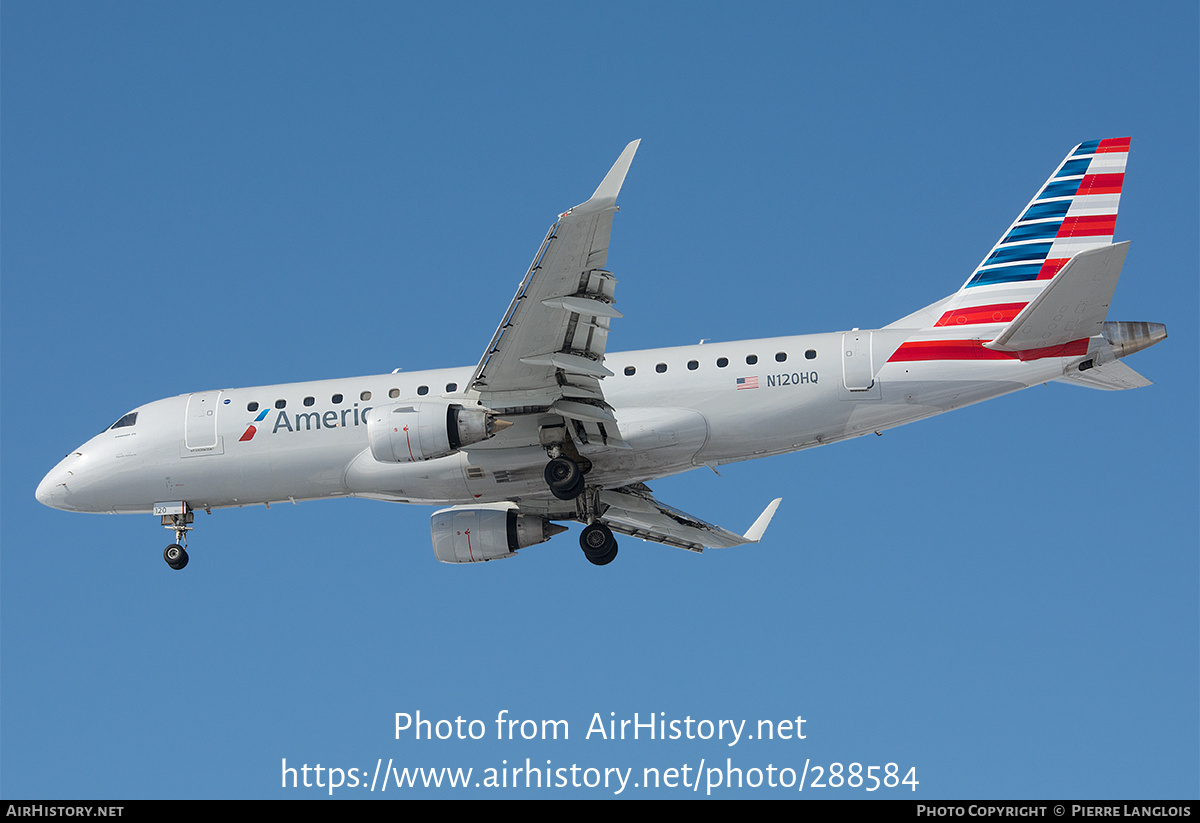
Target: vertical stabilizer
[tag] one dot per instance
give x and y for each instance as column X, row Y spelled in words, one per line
column 1074, row 211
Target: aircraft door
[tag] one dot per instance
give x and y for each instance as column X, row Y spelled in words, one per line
column 857, row 372
column 200, row 421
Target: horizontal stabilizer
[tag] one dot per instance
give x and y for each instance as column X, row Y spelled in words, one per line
column 1112, row 376
column 1072, row 307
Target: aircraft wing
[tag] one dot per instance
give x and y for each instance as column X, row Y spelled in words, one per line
column 633, row 510
column 548, row 353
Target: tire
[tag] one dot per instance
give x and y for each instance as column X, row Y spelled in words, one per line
column 598, row 544
column 175, row 556
column 606, row 558
column 564, row 478
column 596, row 540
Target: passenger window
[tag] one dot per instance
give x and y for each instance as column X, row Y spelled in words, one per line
column 722, row 362
column 811, row 354
column 630, row 371
column 394, row 393
column 693, row 365
column 780, row 357
column 751, row 359
column 365, row 396
column 125, row 422
column 308, row 401
column 337, row 399
column 279, row 404
column 660, row 368
column 252, row 406
column 451, row 387
column 422, row 390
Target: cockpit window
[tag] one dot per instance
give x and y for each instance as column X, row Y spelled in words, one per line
column 126, row 421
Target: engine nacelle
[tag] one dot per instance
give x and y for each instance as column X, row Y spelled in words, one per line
column 409, row 432
column 475, row 534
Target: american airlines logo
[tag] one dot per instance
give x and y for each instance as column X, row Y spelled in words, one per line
column 308, row 421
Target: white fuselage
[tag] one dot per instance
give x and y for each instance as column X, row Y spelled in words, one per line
column 677, row 408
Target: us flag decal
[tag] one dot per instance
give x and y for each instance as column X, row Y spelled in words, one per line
column 747, row 383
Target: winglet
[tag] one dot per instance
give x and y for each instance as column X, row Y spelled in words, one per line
column 755, row 532
column 610, row 186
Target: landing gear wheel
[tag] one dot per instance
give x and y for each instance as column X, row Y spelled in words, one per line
column 596, row 539
column 564, row 478
column 598, row 543
column 606, row 558
column 175, row 556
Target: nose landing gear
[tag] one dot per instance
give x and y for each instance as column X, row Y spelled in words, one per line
column 176, row 554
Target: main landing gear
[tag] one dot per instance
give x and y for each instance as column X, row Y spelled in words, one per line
column 564, row 477
column 598, row 543
column 176, row 554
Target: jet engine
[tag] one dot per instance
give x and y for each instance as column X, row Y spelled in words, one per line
column 409, row 432
column 475, row 534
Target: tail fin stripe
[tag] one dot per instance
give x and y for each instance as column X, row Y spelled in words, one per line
column 1113, row 144
column 1013, row 254
column 1034, row 231
column 1041, row 211
column 1064, row 188
column 1102, row 184
column 1051, row 267
column 1074, row 168
column 1006, row 274
column 1089, row 225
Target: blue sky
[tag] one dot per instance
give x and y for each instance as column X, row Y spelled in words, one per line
column 228, row 194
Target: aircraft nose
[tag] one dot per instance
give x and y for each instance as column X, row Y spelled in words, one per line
column 46, row 490
column 53, row 491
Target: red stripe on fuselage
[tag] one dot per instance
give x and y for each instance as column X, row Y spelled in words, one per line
column 1072, row 349
column 993, row 313
column 945, row 350
column 975, row 350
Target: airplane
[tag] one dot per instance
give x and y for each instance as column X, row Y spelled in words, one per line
column 550, row 426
